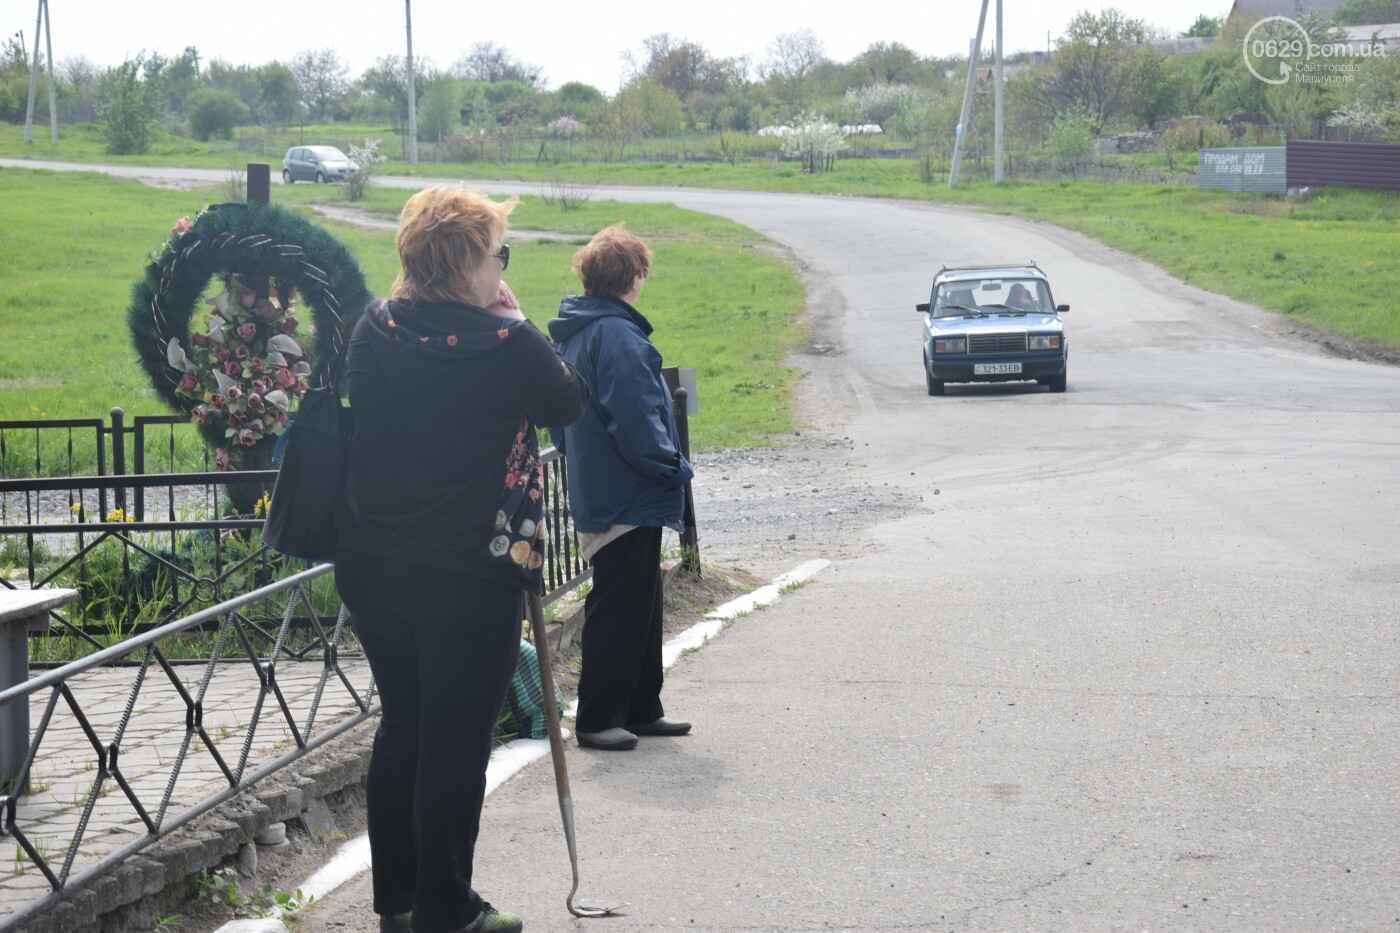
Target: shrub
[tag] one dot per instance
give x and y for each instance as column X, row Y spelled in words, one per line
column 215, row 113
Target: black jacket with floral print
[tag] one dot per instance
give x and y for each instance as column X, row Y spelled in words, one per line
column 444, row 467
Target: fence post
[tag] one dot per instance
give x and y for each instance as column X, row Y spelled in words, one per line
column 690, row 537
column 118, row 461
column 259, row 182
column 21, row 611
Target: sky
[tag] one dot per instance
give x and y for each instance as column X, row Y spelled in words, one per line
column 571, row 41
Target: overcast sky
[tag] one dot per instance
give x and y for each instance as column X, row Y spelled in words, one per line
column 573, row 41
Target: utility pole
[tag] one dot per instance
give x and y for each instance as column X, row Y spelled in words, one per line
column 967, row 97
column 41, row 19
column 412, row 96
column 1000, row 113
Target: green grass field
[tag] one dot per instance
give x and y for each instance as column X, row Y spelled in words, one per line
column 1292, row 256
column 75, row 243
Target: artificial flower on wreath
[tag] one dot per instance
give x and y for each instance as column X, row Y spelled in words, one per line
column 246, row 368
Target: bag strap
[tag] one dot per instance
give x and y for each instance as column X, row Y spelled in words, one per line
column 338, row 370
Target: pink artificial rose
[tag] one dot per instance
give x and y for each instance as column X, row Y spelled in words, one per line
column 247, row 297
column 256, row 364
column 199, row 340
column 247, row 332
column 188, row 381
column 200, row 413
column 259, row 386
column 232, row 419
column 216, row 402
column 290, row 325
column 255, row 402
column 256, row 425
column 233, row 368
column 220, row 352
column 238, row 417
column 246, row 438
column 234, row 393
column 221, row 460
column 283, row 378
column 242, row 353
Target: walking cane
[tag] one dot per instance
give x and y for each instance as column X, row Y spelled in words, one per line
column 584, row 908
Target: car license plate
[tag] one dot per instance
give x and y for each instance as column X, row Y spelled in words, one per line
column 995, row 369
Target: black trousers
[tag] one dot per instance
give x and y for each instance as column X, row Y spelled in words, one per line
column 442, row 647
column 621, row 651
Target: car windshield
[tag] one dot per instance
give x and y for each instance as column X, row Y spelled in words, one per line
column 990, row 296
column 328, row 154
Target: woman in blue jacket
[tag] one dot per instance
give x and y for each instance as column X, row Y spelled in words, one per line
column 626, row 483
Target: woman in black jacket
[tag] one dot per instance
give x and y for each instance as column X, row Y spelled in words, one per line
column 442, row 535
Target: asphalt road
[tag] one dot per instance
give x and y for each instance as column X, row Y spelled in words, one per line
column 1133, row 667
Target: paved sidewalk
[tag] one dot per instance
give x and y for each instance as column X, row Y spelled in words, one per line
column 168, row 767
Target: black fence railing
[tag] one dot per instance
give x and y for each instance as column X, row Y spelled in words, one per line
column 130, row 744
column 97, row 447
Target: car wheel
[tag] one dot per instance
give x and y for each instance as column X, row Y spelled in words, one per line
column 935, row 386
column 1057, row 383
column 320, row 178
column 287, row 178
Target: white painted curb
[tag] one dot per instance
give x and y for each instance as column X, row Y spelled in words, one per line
column 353, row 857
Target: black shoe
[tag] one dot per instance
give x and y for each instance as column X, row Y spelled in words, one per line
column 615, row 739
column 662, row 726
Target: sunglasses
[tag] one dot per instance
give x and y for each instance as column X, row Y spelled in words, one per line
column 503, row 256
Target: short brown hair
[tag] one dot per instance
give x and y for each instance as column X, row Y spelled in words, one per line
column 445, row 232
column 611, row 262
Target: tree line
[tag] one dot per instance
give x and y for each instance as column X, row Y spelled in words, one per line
column 1108, row 72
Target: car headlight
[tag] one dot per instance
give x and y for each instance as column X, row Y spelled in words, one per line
column 950, row 345
column 1045, row 341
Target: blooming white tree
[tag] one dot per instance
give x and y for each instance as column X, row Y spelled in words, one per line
column 815, row 141
column 365, row 157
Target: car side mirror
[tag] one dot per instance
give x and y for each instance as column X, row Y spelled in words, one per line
column 921, row 307
column 1061, row 309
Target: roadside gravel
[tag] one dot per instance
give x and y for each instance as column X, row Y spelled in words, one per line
column 766, row 509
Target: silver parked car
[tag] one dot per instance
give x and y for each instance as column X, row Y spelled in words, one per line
column 316, row 163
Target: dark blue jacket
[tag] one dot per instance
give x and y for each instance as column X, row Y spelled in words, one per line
column 623, row 455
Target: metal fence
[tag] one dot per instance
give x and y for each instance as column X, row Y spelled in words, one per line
column 1259, row 169
column 1318, row 163
column 130, row 741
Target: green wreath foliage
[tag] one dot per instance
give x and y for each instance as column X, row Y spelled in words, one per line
column 242, row 244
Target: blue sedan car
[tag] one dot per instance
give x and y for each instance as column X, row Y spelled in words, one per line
column 993, row 324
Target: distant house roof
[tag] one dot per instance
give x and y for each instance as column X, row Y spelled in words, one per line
column 1185, row 46
column 1389, row 33
column 1293, row 9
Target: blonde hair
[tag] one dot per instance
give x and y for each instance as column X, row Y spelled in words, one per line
column 445, row 232
column 611, row 262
